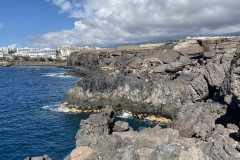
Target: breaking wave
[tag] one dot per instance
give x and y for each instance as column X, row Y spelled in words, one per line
column 125, row 115
column 55, row 107
column 59, row 75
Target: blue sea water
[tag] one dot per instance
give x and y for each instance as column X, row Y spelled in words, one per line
column 31, row 122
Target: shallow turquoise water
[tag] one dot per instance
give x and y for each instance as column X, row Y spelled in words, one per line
column 31, row 123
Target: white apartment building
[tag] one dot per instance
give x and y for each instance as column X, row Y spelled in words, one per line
column 36, row 53
column 3, row 51
column 65, row 51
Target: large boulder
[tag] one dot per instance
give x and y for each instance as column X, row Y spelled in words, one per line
column 81, row 152
column 121, row 126
column 175, row 66
column 215, row 74
column 189, row 48
column 198, row 88
column 93, row 127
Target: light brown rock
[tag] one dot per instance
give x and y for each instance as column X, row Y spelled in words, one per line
column 81, row 153
column 190, row 48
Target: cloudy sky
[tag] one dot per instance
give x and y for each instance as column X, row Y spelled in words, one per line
column 109, row 23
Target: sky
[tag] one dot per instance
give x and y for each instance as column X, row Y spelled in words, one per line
column 109, row 23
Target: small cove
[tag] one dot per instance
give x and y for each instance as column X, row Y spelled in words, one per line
column 31, row 123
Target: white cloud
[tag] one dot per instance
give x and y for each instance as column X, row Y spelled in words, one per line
column 110, row 22
column 1, row 25
column 15, row 45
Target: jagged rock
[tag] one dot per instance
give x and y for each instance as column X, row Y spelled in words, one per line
column 93, row 127
column 166, row 151
column 81, row 152
column 128, row 154
column 44, row 157
column 232, row 127
column 227, row 58
column 174, row 67
column 209, row 54
column 230, row 90
column 184, row 60
column 238, row 147
column 167, row 55
column 215, row 75
column 106, row 147
column 197, row 119
column 160, row 69
column 189, row 49
column 198, row 88
column 183, row 80
column 121, row 126
column 220, row 149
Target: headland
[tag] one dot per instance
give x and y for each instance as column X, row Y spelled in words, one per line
column 192, row 85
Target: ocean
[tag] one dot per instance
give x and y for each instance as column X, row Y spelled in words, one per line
column 31, row 121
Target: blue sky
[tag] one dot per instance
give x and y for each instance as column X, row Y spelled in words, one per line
column 109, row 23
column 22, row 18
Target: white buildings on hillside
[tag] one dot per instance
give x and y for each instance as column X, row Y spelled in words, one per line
column 3, row 51
column 36, row 53
column 65, row 51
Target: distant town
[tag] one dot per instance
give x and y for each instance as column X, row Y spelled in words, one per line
column 62, row 53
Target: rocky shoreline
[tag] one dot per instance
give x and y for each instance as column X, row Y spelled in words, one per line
column 193, row 82
column 155, row 81
column 11, row 62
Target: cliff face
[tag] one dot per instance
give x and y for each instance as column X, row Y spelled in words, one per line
column 158, row 81
column 193, row 81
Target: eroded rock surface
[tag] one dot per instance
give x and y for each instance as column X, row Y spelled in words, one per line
column 194, row 82
column 209, row 141
column 157, row 81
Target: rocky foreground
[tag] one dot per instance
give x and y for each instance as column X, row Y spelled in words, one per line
column 193, row 82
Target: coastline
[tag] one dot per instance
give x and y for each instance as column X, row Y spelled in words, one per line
column 191, row 85
column 37, row 63
column 204, row 109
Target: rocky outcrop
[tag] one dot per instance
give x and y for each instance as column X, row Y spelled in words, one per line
column 194, row 82
column 157, row 81
column 95, row 126
column 5, row 63
column 189, row 48
column 230, row 90
column 157, row 143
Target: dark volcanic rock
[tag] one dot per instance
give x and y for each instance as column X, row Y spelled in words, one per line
column 198, row 89
column 156, row 81
column 166, row 151
column 160, row 69
column 198, row 119
column 93, row 127
column 215, row 75
column 230, row 90
column 157, row 143
column 121, row 126
column 209, row 54
column 174, row 67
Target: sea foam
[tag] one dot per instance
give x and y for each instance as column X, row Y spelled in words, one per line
column 55, row 107
column 125, row 115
